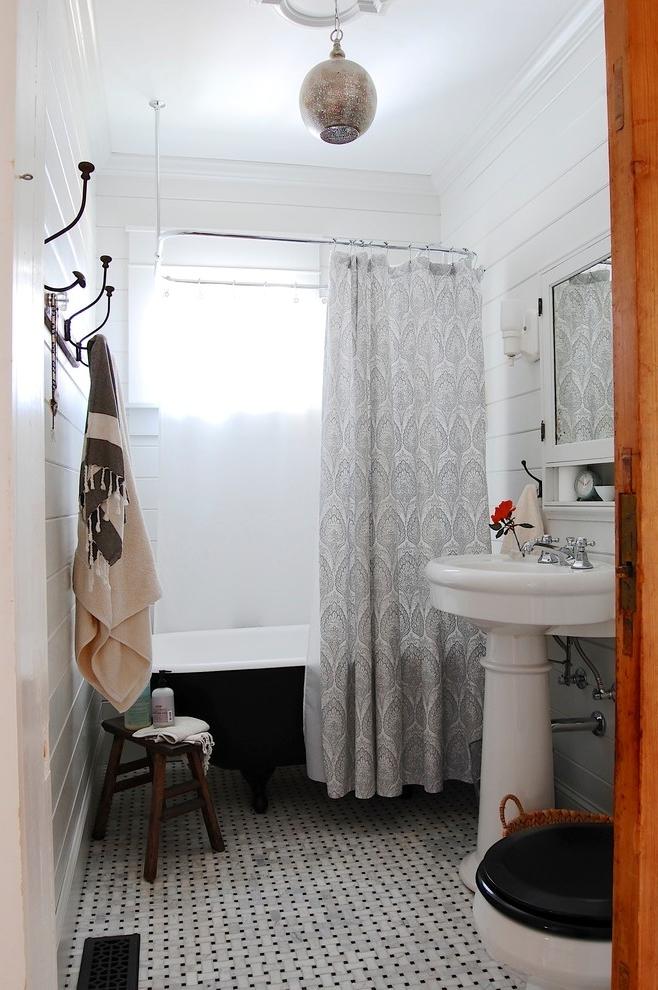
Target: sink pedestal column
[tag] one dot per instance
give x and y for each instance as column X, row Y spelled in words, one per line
column 517, row 744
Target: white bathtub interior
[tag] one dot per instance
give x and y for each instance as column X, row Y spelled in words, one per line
column 230, row 649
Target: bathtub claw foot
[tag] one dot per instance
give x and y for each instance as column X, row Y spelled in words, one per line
column 258, row 781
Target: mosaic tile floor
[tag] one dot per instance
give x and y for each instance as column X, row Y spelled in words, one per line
column 317, row 893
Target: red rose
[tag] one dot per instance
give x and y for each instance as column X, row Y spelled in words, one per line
column 502, row 511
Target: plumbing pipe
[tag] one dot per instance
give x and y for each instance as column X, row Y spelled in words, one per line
column 595, row 724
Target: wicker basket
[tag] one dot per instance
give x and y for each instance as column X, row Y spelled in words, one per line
column 549, row 816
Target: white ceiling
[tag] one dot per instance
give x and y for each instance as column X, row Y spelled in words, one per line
column 230, row 72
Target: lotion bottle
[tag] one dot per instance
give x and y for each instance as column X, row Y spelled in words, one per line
column 162, row 705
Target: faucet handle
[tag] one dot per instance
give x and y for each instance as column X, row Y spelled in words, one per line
column 553, row 540
column 570, row 541
column 581, row 561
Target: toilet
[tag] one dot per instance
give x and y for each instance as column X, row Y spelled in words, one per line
column 543, row 905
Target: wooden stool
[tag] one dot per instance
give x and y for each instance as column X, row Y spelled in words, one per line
column 155, row 764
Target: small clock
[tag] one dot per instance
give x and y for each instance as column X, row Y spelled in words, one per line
column 585, row 483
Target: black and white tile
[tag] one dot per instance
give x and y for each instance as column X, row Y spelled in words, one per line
column 362, row 895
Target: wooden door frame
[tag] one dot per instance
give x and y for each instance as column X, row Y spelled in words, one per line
column 632, row 68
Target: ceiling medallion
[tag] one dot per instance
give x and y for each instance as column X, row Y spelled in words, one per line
column 338, row 99
column 318, row 13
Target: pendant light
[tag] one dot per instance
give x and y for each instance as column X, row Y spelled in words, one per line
column 338, row 99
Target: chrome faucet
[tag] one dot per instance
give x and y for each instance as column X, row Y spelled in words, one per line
column 573, row 554
column 549, row 551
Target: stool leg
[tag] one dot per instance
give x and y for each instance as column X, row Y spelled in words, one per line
column 208, row 808
column 105, row 803
column 157, row 805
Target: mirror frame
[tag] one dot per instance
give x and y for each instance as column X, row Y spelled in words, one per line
column 585, row 451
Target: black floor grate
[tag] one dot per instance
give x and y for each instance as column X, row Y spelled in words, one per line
column 110, row 963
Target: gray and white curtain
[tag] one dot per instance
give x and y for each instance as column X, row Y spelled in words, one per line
column 403, row 480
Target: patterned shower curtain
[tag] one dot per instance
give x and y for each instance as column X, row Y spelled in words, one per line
column 403, row 480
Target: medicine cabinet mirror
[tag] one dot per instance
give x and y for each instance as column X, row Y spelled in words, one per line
column 576, row 354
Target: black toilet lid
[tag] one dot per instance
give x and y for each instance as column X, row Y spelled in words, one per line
column 557, row 878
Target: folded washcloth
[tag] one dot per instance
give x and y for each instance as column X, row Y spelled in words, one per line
column 184, row 729
column 528, row 510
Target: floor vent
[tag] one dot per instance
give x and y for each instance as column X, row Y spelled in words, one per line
column 110, row 963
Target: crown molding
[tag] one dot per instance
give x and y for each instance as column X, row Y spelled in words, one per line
column 295, row 11
column 537, row 71
column 119, row 164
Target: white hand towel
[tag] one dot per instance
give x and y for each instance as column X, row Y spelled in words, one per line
column 528, row 510
column 185, row 729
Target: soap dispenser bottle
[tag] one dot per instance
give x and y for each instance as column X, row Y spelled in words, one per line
column 162, row 704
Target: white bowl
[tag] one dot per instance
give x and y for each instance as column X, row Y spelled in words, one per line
column 605, row 492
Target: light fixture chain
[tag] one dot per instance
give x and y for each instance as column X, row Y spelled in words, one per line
column 337, row 33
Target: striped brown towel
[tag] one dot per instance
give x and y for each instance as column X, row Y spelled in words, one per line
column 114, row 576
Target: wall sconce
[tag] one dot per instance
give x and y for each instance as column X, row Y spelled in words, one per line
column 519, row 329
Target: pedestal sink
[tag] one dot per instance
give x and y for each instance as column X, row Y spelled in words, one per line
column 518, row 602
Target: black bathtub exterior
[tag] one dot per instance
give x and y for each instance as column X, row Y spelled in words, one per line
column 255, row 717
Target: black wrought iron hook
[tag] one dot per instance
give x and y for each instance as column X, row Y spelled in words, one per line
column 80, row 345
column 86, row 168
column 79, row 280
column 540, row 483
column 105, row 260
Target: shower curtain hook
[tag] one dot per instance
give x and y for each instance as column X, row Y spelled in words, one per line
column 410, row 255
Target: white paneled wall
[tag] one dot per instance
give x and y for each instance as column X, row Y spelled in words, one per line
column 536, row 190
column 74, row 706
column 144, row 430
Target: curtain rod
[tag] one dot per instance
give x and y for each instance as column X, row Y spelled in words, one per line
column 239, row 282
column 329, row 241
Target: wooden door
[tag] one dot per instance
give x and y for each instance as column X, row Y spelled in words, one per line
column 632, row 65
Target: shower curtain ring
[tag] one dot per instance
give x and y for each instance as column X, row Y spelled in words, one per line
column 410, row 255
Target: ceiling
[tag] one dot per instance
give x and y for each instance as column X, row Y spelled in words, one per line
column 230, row 72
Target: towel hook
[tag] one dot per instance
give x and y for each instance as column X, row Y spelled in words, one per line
column 61, row 289
column 80, row 344
column 540, row 484
column 86, row 168
column 105, row 260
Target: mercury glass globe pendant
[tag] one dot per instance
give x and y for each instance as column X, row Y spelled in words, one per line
column 338, row 99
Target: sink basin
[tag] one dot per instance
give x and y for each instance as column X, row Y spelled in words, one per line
column 499, row 591
column 518, row 602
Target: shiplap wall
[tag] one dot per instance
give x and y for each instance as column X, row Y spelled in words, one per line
column 74, row 706
column 537, row 190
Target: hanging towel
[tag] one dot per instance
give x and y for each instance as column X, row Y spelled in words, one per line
column 114, row 577
column 185, row 729
column 528, row 510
